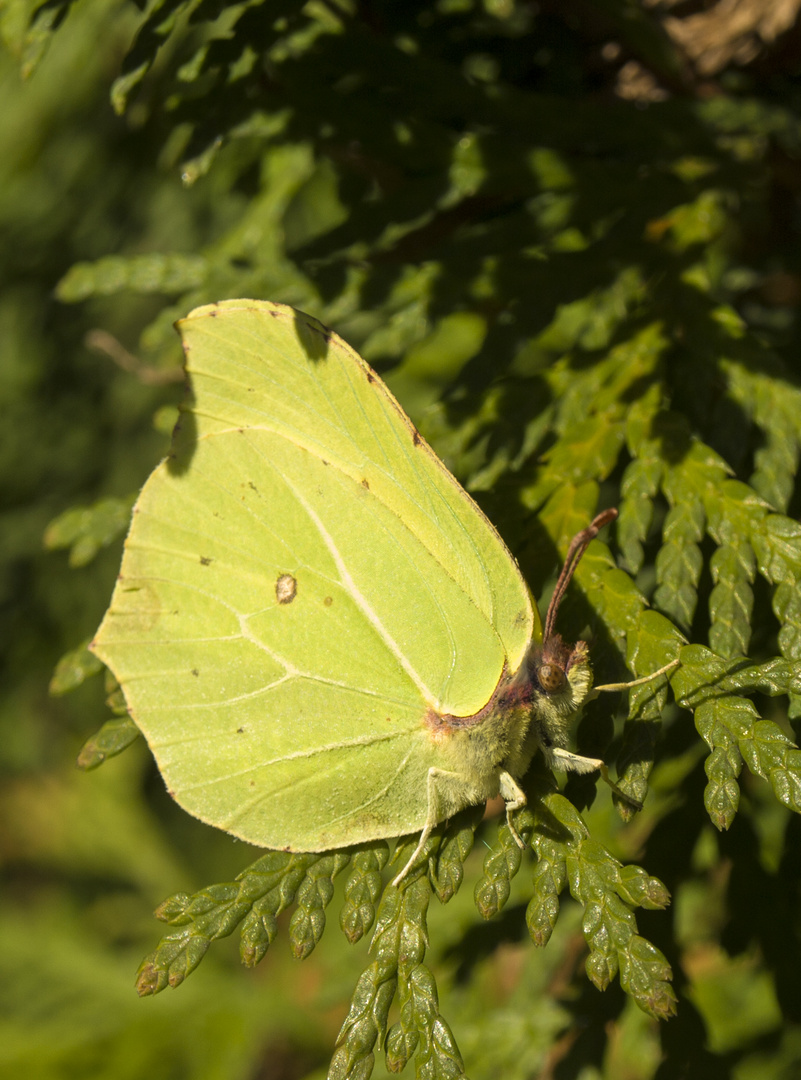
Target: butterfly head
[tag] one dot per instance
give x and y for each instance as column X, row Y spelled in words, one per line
column 561, row 674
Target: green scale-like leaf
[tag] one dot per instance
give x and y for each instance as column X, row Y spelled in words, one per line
column 362, row 890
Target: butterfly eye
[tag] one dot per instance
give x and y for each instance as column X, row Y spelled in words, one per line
column 551, row 678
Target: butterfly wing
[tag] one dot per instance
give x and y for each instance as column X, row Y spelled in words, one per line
column 303, row 583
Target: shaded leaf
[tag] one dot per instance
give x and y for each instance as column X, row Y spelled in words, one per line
column 73, row 669
column 113, row 737
column 86, row 530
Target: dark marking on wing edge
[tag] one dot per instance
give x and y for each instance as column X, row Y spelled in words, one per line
column 416, row 437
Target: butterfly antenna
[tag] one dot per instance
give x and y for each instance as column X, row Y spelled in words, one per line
column 578, row 545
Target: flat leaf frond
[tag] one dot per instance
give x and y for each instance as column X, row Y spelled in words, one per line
column 313, row 897
column 399, row 945
column 111, row 739
column 33, row 30
column 608, row 892
column 154, row 31
column 363, row 887
column 365, row 1024
column 447, row 872
column 254, row 900
column 501, row 864
column 74, row 668
column 153, row 273
column 86, row 530
column 774, row 404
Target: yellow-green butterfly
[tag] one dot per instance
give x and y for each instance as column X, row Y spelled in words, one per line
column 319, row 633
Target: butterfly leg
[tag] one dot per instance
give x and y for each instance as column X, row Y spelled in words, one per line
column 515, row 798
column 434, row 815
column 565, row 761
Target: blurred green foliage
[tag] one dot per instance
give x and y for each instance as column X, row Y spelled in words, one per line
column 582, row 300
